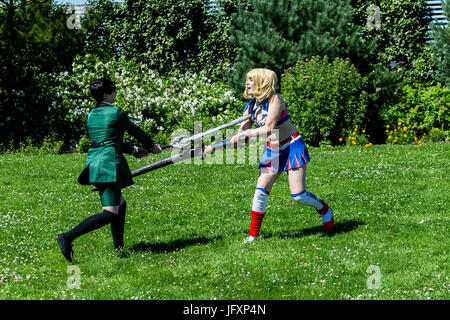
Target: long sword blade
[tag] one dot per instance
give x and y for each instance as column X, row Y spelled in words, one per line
column 221, row 127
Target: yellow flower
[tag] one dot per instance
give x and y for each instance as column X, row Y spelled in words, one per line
column 364, row 131
column 435, row 129
column 415, row 138
column 354, row 133
column 391, row 132
column 387, row 131
column 405, row 128
column 388, row 126
column 404, row 136
column 410, row 131
column 424, row 134
column 399, row 123
column 353, row 142
column 390, row 137
column 340, row 139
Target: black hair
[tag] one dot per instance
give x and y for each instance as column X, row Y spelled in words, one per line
column 101, row 86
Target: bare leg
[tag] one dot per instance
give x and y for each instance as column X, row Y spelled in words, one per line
column 297, row 185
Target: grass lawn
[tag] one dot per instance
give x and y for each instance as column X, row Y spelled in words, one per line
column 185, row 225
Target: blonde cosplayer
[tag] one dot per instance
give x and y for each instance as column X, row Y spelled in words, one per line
column 265, row 81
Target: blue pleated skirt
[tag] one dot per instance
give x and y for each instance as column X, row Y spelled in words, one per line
column 293, row 154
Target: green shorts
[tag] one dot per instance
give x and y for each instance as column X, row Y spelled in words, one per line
column 109, row 194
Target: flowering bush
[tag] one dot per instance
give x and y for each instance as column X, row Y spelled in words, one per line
column 402, row 134
column 405, row 133
column 423, row 107
column 438, row 135
column 357, row 137
column 163, row 104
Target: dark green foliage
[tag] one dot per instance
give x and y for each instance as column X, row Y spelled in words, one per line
column 325, row 99
column 276, row 34
column 34, row 39
column 421, row 107
column 102, row 27
column 441, row 47
column 401, row 34
column 381, row 87
column 170, row 36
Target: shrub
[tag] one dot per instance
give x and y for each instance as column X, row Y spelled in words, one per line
column 49, row 145
column 422, row 107
column 325, row 99
column 83, row 145
column 406, row 134
column 163, row 103
column 357, row 137
column 403, row 133
column 438, row 135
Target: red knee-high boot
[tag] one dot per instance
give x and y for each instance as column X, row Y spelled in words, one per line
column 255, row 223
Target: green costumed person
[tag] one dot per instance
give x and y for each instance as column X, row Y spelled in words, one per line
column 106, row 167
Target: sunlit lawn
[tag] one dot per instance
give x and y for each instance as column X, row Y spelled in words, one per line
column 185, row 226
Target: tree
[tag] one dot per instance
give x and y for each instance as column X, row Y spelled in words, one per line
column 441, row 47
column 276, row 34
column 34, row 39
column 397, row 28
column 170, row 36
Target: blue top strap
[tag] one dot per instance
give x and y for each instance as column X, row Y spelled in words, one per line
column 249, row 103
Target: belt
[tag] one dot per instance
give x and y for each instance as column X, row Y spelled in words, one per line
column 290, row 138
column 96, row 144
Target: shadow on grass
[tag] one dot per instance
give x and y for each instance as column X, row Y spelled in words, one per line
column 339, row 227
column 171, row 246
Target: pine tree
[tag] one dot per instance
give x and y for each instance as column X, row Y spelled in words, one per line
column 441, row 47
column 275, row 34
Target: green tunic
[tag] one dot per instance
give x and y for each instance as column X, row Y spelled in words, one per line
column 106, row 164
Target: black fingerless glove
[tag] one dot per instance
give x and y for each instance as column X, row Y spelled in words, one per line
column 127, row 147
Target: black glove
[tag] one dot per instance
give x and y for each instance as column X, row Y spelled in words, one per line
column 139, row 152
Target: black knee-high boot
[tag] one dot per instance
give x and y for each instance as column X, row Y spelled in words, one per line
column 89, row 224
column 118, row 226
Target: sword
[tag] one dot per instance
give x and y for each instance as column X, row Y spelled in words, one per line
column 165, row 162
column 180, row 142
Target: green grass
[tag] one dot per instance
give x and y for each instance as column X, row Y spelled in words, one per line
column 185, row 225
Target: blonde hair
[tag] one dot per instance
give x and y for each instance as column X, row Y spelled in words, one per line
column 264, row 80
